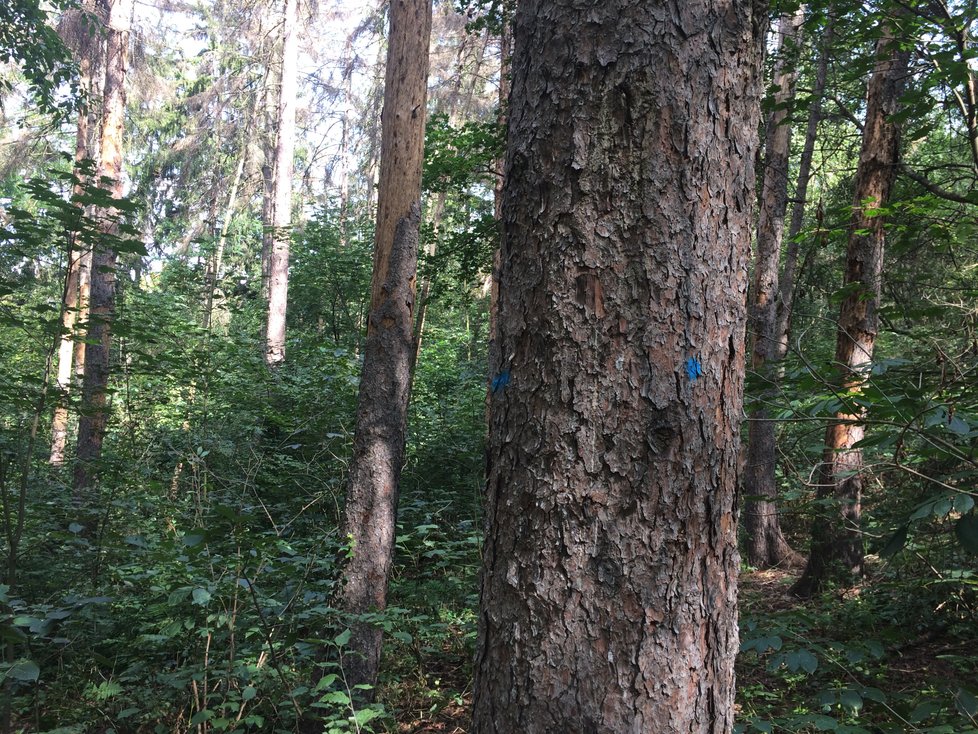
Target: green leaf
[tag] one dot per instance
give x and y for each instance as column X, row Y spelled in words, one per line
column 963, row 503
column 200, row 717
column 365, row 715
column 958, row 426
column 802, row 659
column 336, row 697
column 966, row 529
column 924, row 711
column 201, row 596
column 851, row 700
column 966, row 702
column 24, row 670
column 342, row 638
column 823, row 723
column 896, row 542
column 248, row 693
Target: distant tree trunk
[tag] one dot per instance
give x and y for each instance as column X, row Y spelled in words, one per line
column 74, row 257
column 94, row 415
column 378, row 447
column 837, row 544
column 278, row 266
column 272, row 93
column 766, row 545
column 786, row 285
column 505, row 70
column 610, row 563
column 214, row 267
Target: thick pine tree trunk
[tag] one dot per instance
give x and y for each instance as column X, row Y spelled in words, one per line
column 77, row 256
column 385, row 383
column 95, row 407
column 610, row 563
column 69, row 309
column 766, row 545
column 837, row 544
column 281, row 234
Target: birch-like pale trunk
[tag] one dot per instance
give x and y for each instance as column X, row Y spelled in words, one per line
column 278, row 263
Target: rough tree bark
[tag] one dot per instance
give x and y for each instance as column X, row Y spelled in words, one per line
column 95, row 409
column 385, row 382
column 281, row 222
column 837, row 544
column 86, row 47
column 766, row 545
column 610, row 563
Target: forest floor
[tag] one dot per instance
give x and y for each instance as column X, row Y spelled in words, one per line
column 867, row 659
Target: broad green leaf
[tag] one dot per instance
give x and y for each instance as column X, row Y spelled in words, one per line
column 201, row 596
column 966, row 529
column 851, row 700
column 966, row 702
column 342, row 638
column 896, row 542
column 24, row 670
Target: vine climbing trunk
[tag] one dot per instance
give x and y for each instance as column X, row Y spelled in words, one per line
column 385, row 382
column 95, row 404
column 766, row 545
column 608, row 598
column 837, row 545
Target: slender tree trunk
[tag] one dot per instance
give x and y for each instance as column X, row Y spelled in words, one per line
column 278, row 266
column 385, row 383
column 789, row 275
column 610, row 563
column 424, row 294
column 273, row 82
column 766, row 545
column 214, row 268
column 94, row 416
column 837, row 545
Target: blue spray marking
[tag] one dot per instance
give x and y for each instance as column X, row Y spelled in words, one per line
column 500, row 381
column 693, row 368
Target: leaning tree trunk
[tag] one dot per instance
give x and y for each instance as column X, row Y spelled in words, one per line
column 837, row 545
column 610, row 563
column 385, row 383
column 278, row 264
column 95, row 408
column 766, row 546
